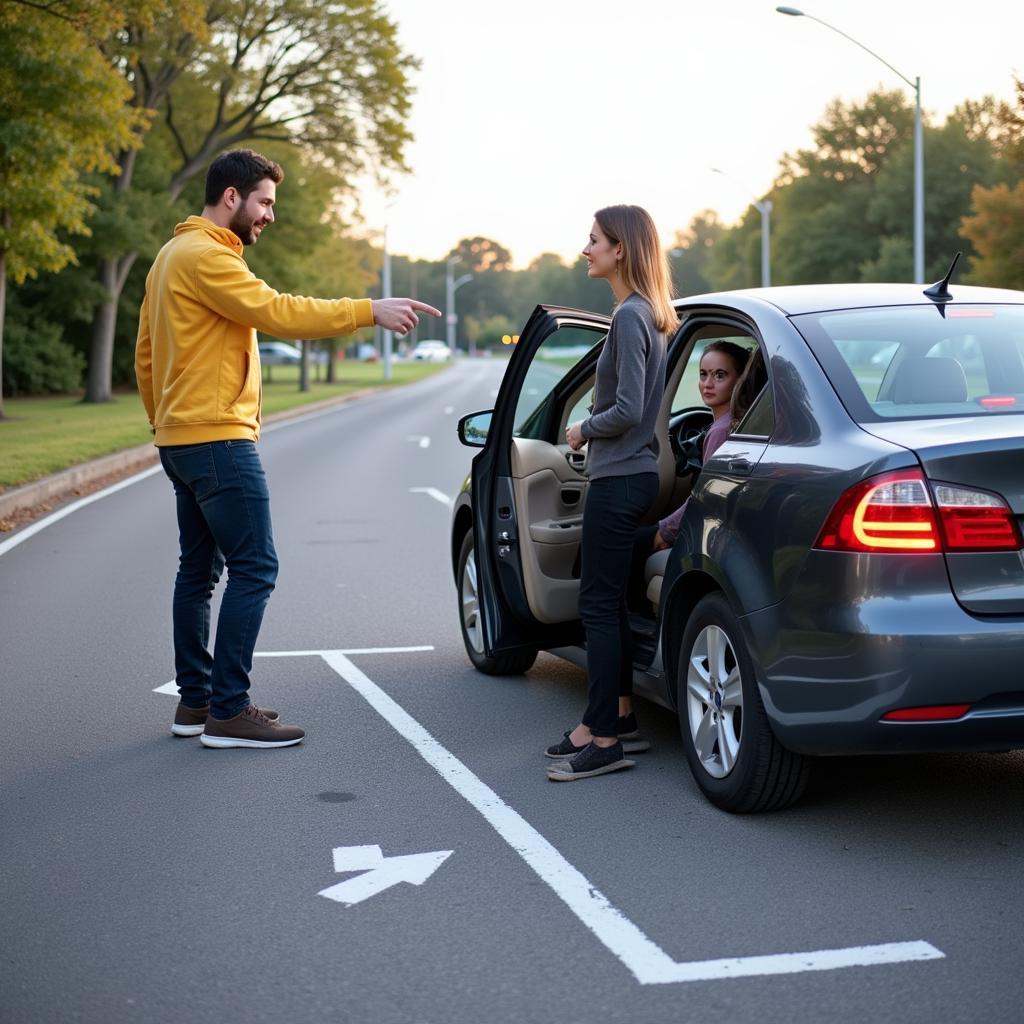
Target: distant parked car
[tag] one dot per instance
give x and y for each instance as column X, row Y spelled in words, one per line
column 432, row 352
column 279, row 353
column 848, row 577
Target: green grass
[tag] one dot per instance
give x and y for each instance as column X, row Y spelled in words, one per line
column 41, row 436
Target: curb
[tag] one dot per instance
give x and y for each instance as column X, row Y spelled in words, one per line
column 85, row 474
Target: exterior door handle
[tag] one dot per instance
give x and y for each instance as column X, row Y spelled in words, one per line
column 740, row 466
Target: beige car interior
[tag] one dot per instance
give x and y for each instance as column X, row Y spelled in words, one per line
column 550, row 488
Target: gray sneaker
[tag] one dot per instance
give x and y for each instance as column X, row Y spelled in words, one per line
column 190, row 721
column 251, row 728
column 590, row 761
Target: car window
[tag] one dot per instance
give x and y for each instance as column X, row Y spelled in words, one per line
column 557, row 354
column 760, row 419
column 687, row 395
column 920, row 361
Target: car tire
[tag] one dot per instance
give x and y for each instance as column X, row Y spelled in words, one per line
column 513, row 663
column 734, row 756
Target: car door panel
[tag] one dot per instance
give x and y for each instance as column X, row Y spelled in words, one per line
column 550, row 495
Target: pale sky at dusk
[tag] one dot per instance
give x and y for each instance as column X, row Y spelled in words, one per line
column 531, row 114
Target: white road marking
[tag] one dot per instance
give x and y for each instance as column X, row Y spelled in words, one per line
column 422, row 441
column 171, row 688
column 648, row 962
column 347, row 650
column 380, row 872
column 434, row 493
column 42, row 524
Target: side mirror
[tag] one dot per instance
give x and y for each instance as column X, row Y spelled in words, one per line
column 473, row 428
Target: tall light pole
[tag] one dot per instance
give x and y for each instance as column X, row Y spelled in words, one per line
column 764, row 206
column 918, row 140
column 386, row 336
column 450, row 288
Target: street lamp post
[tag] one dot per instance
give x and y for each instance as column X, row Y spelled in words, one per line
column 451, row 286
column 386, row 336
column 764, row 207
column 918, row 139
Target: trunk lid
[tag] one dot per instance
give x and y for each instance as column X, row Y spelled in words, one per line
column 983, row 453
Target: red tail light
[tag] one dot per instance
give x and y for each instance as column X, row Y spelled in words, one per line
column 895, row 513
column 932, row 713
column 892, row 513
column 976, row 520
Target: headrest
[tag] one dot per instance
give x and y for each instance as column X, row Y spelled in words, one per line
column 923, row 379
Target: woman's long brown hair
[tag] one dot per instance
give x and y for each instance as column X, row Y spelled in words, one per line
column 644, row 265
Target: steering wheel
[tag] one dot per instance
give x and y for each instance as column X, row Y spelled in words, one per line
column 686, row 430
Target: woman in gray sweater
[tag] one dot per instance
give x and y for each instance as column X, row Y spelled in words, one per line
column 622, row 465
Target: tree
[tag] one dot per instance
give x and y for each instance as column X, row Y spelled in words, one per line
column 996, row 228
column 64, row 111
column 331, row 77
column 822, row 225
column 995, row 225
column 691, row 254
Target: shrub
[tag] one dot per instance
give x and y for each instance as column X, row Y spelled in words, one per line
column 37, row 361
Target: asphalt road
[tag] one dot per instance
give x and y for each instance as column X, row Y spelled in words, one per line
column 146, row 878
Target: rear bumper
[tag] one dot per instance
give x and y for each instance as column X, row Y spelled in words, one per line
column 868, row 635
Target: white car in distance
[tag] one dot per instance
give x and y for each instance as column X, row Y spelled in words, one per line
column 432, row 352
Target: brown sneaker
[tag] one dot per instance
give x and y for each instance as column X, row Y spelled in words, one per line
column 190, row 721
column 251, row 728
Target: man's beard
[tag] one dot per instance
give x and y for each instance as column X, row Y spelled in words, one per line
column 242, row 224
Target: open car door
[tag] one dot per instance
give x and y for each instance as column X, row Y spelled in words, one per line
column 529, row 487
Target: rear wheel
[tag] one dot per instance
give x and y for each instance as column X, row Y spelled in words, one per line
column 734, row 756
column 511, row 664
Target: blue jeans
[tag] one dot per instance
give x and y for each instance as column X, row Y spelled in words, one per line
column 614, row 507
column 223, row 518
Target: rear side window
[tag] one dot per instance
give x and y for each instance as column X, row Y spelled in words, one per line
column 914, row 362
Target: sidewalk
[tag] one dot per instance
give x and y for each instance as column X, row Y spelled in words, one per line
column 22, row 505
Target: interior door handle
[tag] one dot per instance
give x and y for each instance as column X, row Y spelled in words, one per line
column 576, row 459
column 740, row 465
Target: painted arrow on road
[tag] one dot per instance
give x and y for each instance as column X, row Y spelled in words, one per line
column 379, row 872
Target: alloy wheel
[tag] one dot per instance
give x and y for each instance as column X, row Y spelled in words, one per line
column 471, row 604
column 714, row 698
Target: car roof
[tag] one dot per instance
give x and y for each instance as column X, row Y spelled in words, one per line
column 817, row 298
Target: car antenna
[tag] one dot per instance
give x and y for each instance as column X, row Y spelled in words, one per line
column 940, row 291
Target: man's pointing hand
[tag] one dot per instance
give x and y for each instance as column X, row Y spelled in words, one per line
column 399, row 315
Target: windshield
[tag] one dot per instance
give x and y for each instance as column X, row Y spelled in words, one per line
column 915, row 362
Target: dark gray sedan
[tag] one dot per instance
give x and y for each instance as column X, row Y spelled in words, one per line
column 849, row 575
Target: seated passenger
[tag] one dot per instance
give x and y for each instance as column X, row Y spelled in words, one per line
column 721, row 367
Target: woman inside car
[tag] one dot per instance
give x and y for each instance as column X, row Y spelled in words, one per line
column 622, row 465
column 721, row 368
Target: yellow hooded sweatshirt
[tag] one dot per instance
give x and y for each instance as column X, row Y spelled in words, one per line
column 196, row 360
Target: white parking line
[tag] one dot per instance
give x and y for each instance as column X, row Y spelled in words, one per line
column 171, row 688
column 647, row 961
column 434, row 493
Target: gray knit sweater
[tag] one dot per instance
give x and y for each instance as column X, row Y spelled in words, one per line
column 628, row 390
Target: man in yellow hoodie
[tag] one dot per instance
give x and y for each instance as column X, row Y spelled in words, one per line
column 198, row 372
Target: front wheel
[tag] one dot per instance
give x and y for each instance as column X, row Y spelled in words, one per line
column 734, row 756
column 511, row 664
